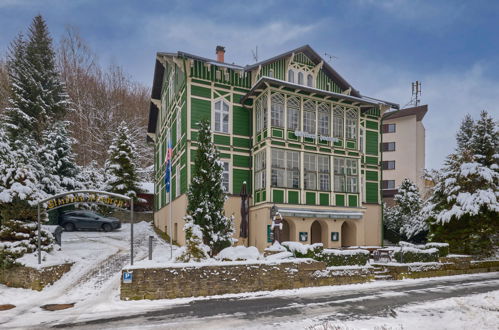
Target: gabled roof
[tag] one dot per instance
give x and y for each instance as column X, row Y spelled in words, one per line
column 419, row 112
column 316, row 58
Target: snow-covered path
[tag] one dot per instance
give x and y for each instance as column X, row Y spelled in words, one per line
column 93, row 280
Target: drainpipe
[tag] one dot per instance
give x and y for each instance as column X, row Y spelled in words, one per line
column 381, row 181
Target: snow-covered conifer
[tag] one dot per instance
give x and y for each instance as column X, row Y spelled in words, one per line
column 405, row 217
column 92, row 177
column 206, row 196
column 121, row 168
column 463, row 206
column 194, row 249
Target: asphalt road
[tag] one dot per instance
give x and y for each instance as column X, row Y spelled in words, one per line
column 268, row 311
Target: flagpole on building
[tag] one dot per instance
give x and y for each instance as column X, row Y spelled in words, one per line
column 171, row 207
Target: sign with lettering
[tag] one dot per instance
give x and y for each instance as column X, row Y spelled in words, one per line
column 303, row 236
column 127, row 277
column 315, row 136
column 87, row 198
column 335, row 236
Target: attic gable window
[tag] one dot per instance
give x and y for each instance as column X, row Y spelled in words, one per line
column 291, row 76
column 310, row 80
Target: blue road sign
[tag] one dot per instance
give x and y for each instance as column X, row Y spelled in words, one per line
column 127, row 277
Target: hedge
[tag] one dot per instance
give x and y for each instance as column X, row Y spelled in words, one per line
column 331, row 257
column 411, row 254
column 443, row 248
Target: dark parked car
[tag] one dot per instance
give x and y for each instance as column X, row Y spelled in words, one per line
column 83, row 219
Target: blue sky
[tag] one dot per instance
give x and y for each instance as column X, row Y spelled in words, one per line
column 380, row 46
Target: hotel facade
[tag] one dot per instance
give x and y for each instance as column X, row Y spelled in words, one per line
column 300, row 136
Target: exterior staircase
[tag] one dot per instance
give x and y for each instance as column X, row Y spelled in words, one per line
column 381, row 273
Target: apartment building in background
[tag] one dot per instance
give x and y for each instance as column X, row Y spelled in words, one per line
column 403, row 149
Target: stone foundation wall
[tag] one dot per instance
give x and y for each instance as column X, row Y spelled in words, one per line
column 137, row 216
column 32, row 278
column 448, row 268
column 168, row 283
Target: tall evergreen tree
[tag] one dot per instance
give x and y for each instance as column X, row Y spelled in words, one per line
column 121, row 167
column 38, row 96
column 206, row 195
column 61, row 173
column 463, row 207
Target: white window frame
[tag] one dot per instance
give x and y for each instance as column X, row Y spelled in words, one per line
column 310, row 171
column 179, row 124
column 224, row 127
column 338, row 122
column 309, row 119
column 226, row 175
column 277, row 110
column 324, row 119
column 260, row 170
column 323, row 167
column 293, row 112
column 351, row 124
column 177, row 181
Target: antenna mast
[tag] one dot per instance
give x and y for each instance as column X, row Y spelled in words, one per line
column 416, row 93
column 255, row 54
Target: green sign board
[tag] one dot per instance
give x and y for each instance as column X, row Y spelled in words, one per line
column 335, row 236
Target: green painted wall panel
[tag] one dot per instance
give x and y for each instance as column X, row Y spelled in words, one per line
column 239, row 176
column 351, row 144
column 201, row 91
column 372, row 192
column 241, row 142
column 277, row 196
column 323, row 199
column 241, row 121
column 340, row 200
column 371, row 143
column 372, row 124
column 293, row 197
column 242, row 161
column 221, row 139
column 200, row 110
column 371, row 175
column 352, row 200
column 372, row 160
column 310, row 198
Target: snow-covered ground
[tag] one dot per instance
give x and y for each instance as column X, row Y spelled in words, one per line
column 93, row 281
column 478, row 312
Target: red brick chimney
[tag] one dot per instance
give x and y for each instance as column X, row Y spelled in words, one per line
column 220, row 51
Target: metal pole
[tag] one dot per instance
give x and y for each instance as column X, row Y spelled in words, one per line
column 171, row 207
column 131, row 231
column 150, row 247
column 39, row 236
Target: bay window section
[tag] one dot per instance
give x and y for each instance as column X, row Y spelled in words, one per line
column 293, row 108
column 310, row 170
column 277, row 110
column 351, row 124
column 323, row 164
column 261, row 113
column 285, row 171
column 260, row 180
column 338, row 122
column 324, row 119
column 278, row 168
column 309, row 116
column 293, row 169
column 346, row 178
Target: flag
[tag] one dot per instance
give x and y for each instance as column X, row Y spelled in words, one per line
column 169, row 152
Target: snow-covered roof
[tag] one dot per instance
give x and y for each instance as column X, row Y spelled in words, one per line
column 148, row 187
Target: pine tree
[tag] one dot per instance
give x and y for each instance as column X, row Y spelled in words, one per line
column 20, row 190
column 463, row 136
column 206, row 195
column 92, row 177
column 38, row 96
column 405, row 217
column 121, row 167
column 61, row 173
column 463, row 207
column 194, row 249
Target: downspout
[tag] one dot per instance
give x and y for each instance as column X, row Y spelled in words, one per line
column 381, row 181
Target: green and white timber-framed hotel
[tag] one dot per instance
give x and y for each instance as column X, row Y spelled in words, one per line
column 299, row 134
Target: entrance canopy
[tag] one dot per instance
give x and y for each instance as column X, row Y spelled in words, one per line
column 327, row 214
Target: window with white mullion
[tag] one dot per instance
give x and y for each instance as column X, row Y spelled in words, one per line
column 351, row 124
column 278, row 168
column 346, row 175
column 258, row 115
column 179, row 124
column 225, row 176
column 309, row 116
column 265, row 108
column 221, row 116
column 260, row 178
column 339, row 174
column 293, row 113
column 293, row 169
column 338, row 122
column 324, row 118
column 277, row 110
column 323, row 167
column 310, row 171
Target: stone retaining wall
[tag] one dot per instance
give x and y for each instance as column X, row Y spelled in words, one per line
column 191, row 281
column 32, row 278
column 447, row 268
column 124, row 216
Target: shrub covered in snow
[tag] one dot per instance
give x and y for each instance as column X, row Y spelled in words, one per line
column 334, row 257
column 411, row 254
column 234, row 253
column 443, row 248
column 194, row 248
column 300, row 250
